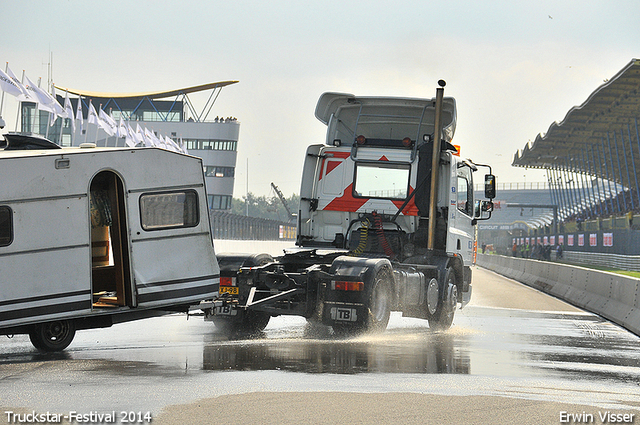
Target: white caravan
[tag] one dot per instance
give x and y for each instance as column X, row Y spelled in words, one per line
column 91, row 236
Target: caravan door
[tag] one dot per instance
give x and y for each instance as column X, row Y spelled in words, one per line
column 110, row 263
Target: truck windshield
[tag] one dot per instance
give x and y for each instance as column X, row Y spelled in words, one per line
column 381, row 181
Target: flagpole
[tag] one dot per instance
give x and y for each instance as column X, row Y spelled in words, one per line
column 97, row 126
column 2, row 101
column 19, row 103
column 46, row 133
column 86, row 131
column 81, row 120
column 62, row 124
column 33, row 124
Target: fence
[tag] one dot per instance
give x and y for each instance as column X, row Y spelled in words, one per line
column 225, row 225
column 611, row 261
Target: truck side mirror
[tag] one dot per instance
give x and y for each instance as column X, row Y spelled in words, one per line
column 489, row 186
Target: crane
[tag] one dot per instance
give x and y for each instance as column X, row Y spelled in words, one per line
column 284, row 201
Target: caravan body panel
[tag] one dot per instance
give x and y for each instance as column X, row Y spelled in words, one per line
column 48, row 267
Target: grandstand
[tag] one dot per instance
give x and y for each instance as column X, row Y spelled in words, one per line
column 592, row 160
column 594, row 152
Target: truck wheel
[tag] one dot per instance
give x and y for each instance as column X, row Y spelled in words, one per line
column 52, row 336
column 245, row 322
column 379, row 308
column 443, row 317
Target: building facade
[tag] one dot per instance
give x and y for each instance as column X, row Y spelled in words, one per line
column 213, row 140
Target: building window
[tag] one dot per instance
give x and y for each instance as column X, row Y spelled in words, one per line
column 212, row 144
column 169, row 210
column 219, row 202
column 171, row 116
column 6, row 226
column 213, row 171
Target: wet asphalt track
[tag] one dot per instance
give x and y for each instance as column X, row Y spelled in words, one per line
column 511, row 341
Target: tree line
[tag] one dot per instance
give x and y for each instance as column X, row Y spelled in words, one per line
column 269, row 207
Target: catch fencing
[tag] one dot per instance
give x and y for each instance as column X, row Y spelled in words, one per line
column 225, row 225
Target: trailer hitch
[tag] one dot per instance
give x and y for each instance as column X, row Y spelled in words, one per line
column 252, row 293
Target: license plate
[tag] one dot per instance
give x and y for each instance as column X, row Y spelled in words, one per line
column 225, row 310
column 344, row 314
column 233, row 290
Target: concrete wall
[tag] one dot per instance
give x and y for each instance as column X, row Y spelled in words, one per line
column 610, row 295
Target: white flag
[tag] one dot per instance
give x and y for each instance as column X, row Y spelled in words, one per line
column 38, row 95
column 107, row 123
column 141, row 135
column 69, row 109
column 130, row 136
column 149, row 138
column 174, row 145
column 59, row 111
column 121, row 130
column 9, row 86
column 93, row 115
column 25, row 96
column 79, row 116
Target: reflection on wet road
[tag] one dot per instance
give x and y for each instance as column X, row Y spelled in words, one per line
column 398, row 350
column 485, row 341
column 538, row 353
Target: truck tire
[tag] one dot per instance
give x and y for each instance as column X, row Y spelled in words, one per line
column 443, row 317
column 378, row 307
column 52, row 336
column 248, row 322
column 380, row 302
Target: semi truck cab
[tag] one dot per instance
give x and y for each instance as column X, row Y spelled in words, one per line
column 386, row 221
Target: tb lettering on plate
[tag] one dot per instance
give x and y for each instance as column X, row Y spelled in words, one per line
column 344, row 314
column 225, row 310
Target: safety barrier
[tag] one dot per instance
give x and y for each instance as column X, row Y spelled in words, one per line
column 610, row 295
column 274, row 248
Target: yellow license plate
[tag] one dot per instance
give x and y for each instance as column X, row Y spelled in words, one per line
column 229, row 290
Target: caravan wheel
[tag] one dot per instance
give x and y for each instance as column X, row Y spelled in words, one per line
column 52, row 336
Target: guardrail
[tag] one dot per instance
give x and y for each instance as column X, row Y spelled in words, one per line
column 610, row 295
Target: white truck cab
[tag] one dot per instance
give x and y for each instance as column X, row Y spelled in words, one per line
column 386, row 221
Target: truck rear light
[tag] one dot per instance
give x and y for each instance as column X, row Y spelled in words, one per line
column 361, row 139
column 406, row 142
column 227, row 281
column 343, row 285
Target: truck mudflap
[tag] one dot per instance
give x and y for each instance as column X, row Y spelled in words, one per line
column 336, row 313
column 360, row 294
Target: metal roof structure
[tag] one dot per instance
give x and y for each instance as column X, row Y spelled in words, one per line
column 599, row 138
column 134, row 101
column 150, row 95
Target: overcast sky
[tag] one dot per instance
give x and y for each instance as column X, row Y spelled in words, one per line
column 513, row 67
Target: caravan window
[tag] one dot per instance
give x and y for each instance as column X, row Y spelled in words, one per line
column 169, row 210
column 6, row 226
